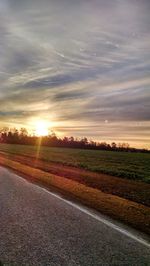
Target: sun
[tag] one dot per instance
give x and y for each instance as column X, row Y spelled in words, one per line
column 41, row 128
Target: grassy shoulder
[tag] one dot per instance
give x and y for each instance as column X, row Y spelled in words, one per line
column 132, row 213
column 132, row 166
column 129, row 189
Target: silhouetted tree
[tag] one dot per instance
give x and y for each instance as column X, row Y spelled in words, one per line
column 15, row 136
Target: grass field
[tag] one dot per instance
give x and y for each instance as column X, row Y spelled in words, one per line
column 134, row 166
column 67, row 170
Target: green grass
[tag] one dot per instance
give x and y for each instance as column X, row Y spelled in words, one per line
column 128, row 165
column 127, row 211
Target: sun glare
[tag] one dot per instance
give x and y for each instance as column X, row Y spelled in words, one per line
column 41, row 128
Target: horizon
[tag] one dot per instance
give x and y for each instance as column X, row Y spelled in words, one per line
column 44, row 133
column 81, row 68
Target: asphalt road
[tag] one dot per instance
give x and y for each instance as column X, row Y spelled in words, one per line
column 39, row 228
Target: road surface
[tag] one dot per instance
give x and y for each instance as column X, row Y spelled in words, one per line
column 37, row 227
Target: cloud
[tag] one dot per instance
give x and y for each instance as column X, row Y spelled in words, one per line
column 77, row 63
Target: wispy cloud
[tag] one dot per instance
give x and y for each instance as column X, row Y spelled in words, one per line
column 77, row 63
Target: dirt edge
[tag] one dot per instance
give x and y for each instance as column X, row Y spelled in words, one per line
column 126, row 211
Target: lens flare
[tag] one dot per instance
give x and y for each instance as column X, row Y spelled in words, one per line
column 41, row 128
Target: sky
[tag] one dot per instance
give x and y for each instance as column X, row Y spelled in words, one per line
column 82, row 66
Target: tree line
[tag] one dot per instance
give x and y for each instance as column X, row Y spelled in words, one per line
column 22, row 136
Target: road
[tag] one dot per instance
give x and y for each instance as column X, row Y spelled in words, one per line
column 37, row 227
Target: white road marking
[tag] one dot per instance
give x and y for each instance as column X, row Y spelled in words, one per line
column 93, row 215
column 100, row 219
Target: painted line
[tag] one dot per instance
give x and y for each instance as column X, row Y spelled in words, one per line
column 94, row 216
column 100, row 219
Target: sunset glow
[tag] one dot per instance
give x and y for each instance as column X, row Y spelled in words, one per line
column 87, row 72
column 41, row 128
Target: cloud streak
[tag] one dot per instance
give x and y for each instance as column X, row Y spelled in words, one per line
column 77, row 63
